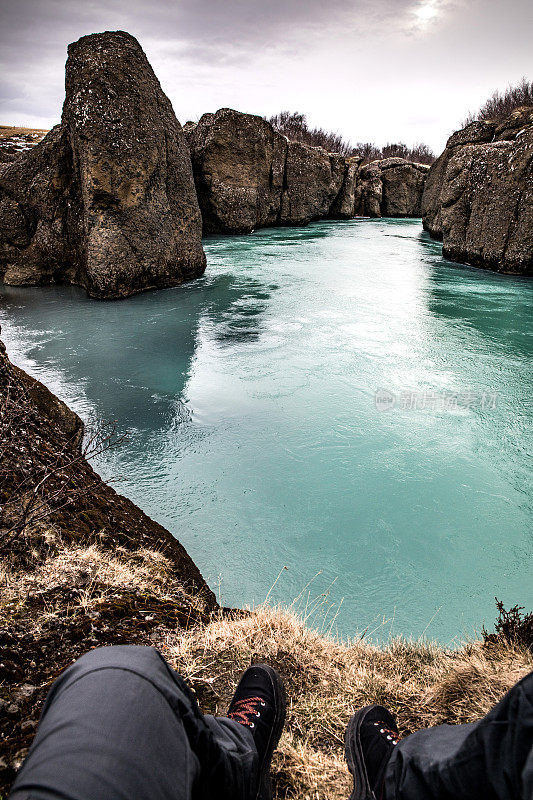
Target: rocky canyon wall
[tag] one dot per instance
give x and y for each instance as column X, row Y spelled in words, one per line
column 478, row 197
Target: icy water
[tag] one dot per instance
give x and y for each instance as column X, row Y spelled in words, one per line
column 336, row 399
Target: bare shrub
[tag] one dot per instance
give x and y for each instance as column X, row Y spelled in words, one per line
column 501, row 104
column 367, row 151
column 512, row 627
column 295, row 127
column 419, row 153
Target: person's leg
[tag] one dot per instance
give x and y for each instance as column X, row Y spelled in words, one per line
column 119, row 724
column 489, row 759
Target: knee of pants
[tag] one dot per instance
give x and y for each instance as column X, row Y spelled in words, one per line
column 143, row 660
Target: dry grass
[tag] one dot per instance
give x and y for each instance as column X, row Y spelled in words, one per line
column 95, row 575
column 6, row 131
column 327, row 681
column 423, row 683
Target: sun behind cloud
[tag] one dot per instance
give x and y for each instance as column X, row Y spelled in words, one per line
column 425, row 12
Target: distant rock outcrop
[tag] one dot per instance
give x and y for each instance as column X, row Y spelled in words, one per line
column 478, row 197
column 249, row 176
column 107, row 199
column 391, row 187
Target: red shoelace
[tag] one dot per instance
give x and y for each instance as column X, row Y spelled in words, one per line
column 392, row 736
column 244, row 711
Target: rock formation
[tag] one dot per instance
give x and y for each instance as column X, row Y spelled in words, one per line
column 312, row 182
column 107, row 199
column 478, row 197
column 41, row 436
column 344, row 204
column 391, row 187
column 239, row 165
column 249, row 176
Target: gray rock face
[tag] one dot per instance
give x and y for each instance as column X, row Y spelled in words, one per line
column 479, row 195
column 368, row 191
column 107, row 199
column 344, row 204
column 239, row 164
column 313, row 179
column 391, row 187
column 249, row 176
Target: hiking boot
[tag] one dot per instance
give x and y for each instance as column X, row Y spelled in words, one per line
column 371, row 736
column 259, row 703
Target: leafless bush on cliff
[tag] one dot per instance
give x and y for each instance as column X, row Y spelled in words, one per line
column 419, row 153
column 501, row 104
column 295, row 127
column 512, row 627
column 367, row 151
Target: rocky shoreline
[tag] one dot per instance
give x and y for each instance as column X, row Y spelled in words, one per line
column 80, row 565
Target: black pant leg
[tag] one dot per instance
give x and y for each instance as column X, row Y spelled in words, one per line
column 119, row 724
column 487, row 760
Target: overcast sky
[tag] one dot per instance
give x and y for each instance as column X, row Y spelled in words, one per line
column 373, row 70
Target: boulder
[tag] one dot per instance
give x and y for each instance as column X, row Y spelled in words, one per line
column 107, row 199
column 391, row 187
column 476, row 132
column 403, row 185
column 479, row 195
column 238, row 163
column 313, row 179
column 249, row 176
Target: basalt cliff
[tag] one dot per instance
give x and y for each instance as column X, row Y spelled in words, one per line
column 478, row 196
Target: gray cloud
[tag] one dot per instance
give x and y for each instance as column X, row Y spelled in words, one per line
column 380, row 69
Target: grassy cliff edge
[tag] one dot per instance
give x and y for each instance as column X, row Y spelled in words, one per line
column 82, row 567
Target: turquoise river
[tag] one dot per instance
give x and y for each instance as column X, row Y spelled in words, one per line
column 338, row 400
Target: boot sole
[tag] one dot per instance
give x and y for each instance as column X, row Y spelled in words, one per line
column 264, row 791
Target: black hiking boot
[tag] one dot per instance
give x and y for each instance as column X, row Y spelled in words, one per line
column 259, row 703
column 371, row 736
